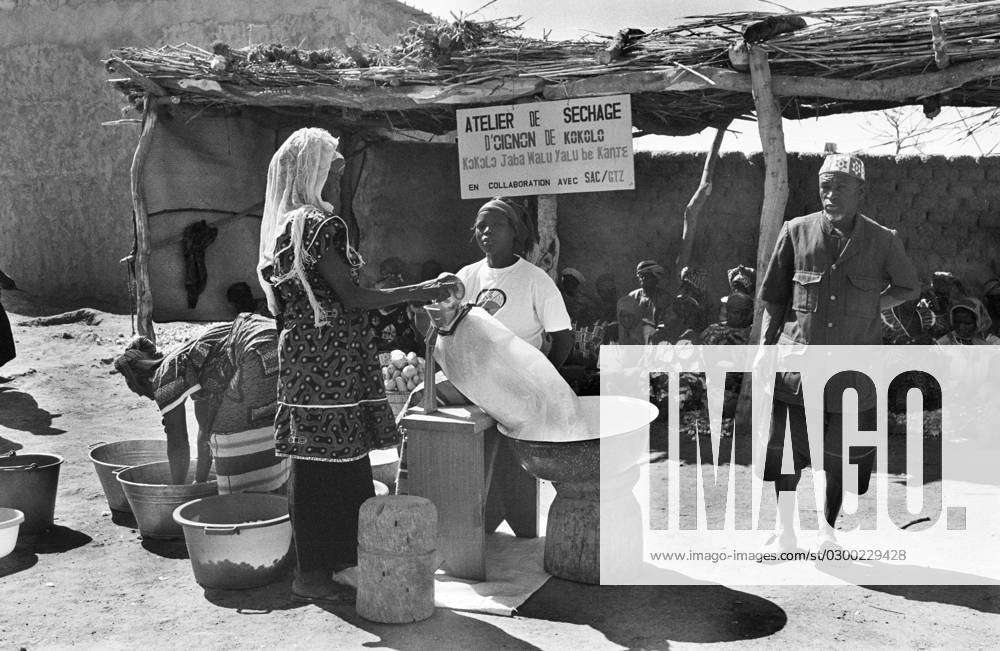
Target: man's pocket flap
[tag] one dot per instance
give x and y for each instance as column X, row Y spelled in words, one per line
column 807, row 277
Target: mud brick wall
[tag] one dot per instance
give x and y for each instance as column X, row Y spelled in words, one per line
column 65, row 209
column 947, row 211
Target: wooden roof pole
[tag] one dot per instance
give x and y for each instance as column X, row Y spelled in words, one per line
column 696, row 206
column 144, row 295
column 772, row 140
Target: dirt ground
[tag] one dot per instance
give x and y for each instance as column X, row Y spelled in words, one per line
column 91, row 582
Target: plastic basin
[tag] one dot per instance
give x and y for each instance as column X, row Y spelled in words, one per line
column 28, row 483
column 108, row 458
column 10, row 525
column 236, row 541
column 153, row 498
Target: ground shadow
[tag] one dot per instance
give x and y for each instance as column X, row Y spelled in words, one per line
column 658, row 614
column 124, row 519
column 20, row 411
column 255, row 601
column 445, row 629
column 6, row 445
column 17, row 561
column 173, row 549
column 938, row 586
column 56, row 540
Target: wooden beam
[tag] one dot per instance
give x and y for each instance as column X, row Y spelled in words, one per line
column 144, row 295
column 772, row 140
column 510, row 89
column 149, row 86
column 897, row 89
column 695, row 207
column 402, row 98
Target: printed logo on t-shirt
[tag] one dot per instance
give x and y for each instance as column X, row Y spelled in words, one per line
column 491, row 300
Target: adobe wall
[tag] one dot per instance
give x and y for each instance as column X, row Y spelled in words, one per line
column 65, row 210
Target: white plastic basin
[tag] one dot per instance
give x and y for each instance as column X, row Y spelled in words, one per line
column 10, row 525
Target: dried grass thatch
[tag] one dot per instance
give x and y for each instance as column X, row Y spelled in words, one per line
column 682, row 78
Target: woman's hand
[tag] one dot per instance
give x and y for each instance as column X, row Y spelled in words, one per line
column 432, row 291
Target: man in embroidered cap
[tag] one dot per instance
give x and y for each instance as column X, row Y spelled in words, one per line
column 830, row 275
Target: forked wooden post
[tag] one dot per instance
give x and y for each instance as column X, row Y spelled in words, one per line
column 144, row 295
column 545, row 254
column 772, row 140
column 696, row 207
column 772, row 212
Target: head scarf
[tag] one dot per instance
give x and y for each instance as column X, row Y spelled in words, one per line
column 140, row 348
column 946, row 281
column 974, row 305
column 694, row 277
column 742, row 279
column 514, row 214
column 845, row 164
column 650, row 267
column 295, row 180
column 570, row 271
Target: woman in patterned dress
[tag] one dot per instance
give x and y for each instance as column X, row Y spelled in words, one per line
column 332, row 408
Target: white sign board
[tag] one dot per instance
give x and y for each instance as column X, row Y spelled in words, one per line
column 574, row 145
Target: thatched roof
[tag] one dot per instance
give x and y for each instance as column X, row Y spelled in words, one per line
column 682, row 78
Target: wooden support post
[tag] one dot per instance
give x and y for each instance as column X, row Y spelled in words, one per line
column 695, row 207
column 545, row 253
column 772, row 212
column 144, row 295
column 772, row 140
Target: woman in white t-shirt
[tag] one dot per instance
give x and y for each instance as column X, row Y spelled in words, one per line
column 520, row 295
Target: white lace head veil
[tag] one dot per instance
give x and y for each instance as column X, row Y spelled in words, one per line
column 295, row 180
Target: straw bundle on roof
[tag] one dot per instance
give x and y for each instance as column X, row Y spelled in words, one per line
column 437, row 67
